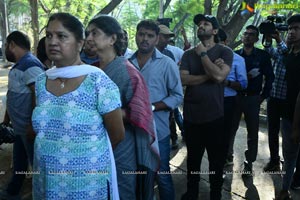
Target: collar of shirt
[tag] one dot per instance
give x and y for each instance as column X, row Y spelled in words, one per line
column 242, row 53
column 22, row 59
column 155, row 55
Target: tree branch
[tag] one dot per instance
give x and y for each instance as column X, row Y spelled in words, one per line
column 221, row 11
column 207, row 7
column 166, row 5
column 180, row 23
column 109, row 7
column 45, row 9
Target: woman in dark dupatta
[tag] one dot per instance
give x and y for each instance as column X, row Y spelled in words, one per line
column 137, row 156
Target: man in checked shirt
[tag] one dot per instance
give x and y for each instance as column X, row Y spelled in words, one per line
column 277, row 100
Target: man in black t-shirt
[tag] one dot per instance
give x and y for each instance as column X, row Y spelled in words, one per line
column 202, row 70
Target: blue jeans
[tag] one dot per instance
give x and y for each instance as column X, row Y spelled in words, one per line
column 175, row 116
column 250, row 106
column 290, row 153
column 22, row 153
column 164, row 179
column 179, row 120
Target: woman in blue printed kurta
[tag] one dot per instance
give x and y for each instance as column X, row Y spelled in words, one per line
column 77, row 119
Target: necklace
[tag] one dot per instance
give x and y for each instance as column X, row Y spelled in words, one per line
column 62, row 82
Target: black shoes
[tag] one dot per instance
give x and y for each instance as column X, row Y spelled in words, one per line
column 247, row 171
column 283, row 195
column 272, row 167
column 295, row 183
column 189, row 196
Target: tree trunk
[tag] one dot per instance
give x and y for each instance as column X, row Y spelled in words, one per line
column 161, row 9
column 207, row 7
column 34, row 22
column 232, row 21
column 234, row 27
column 221, row 11
column 3, row 26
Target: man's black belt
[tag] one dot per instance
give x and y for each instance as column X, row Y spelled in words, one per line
column 248, row 93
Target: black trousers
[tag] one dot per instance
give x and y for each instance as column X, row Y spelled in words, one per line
column 173, row 133
column 297, row 172
column 275, row 110
column 200, row 137
column 229, row 110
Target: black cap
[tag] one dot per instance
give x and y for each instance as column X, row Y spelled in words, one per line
column 208, row 18
column 293, row 18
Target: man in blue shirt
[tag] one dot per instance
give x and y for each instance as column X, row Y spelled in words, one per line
column 235, row 81
column 259, row 69
column 175, row 116
column 20, row 103
column 162, row 77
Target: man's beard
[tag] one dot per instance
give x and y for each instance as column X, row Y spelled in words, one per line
column 204, row 37
column 146, row 50
column 10, row 56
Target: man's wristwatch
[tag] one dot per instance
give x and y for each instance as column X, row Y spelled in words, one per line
column 153, row 107
column 202, row 54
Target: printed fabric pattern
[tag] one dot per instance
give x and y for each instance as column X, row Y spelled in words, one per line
column 72, row 158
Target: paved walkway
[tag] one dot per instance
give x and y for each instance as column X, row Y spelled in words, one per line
column 261, row 187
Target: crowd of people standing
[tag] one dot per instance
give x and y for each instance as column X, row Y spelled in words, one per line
column 97, row 118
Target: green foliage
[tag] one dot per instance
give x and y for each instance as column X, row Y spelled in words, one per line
column 84, row 10
column 130, row 12
column 17, row 7
column 178, row 10
column 152, row 9
column 128, row 16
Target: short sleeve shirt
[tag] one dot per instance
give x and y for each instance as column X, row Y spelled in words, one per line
column 19, row 96
column 204, row 102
